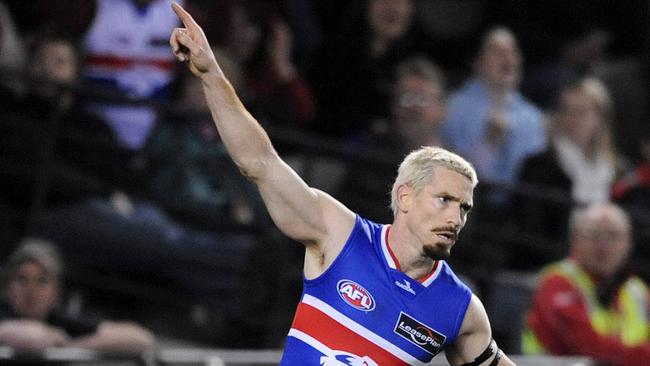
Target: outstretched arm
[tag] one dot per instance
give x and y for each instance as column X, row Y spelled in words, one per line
column 473, row 346
column 303, row 213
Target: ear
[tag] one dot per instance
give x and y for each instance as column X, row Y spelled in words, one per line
column 404, row 198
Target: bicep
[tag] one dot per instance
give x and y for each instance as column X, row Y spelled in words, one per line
column 474, row 339
column 301, row 212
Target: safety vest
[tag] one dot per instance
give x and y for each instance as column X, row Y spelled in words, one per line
column 627, row 319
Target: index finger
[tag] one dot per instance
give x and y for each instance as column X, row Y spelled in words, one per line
column 185, row 17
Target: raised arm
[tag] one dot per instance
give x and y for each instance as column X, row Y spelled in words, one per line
column 302, row 213
column 474, row 345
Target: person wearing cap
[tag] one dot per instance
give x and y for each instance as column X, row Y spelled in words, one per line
column 30, row 317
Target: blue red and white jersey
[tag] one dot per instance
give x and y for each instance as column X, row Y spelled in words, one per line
column 127, row 46
column 127, row 49
column 364, row 311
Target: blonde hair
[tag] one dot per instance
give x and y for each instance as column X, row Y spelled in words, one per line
column 596, row 91
column 416, row 170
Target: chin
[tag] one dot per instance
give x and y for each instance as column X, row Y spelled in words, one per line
column 437, row 252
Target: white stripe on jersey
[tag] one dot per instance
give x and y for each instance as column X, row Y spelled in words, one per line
column 384, row 248
column 360, row 330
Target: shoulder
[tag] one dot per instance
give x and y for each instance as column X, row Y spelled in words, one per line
column 470, row 89
column 366, row 230
column 556, row 289
column 448, row 274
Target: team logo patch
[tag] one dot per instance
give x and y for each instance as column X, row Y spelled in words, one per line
column 355, row 295
column 339, row 358
column 419, row 334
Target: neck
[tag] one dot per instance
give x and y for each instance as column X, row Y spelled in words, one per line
column 498, row 93
column 410, row 257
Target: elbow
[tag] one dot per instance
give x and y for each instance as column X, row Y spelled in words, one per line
column 257, row 166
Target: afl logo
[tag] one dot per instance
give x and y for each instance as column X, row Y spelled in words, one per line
column 355, row 295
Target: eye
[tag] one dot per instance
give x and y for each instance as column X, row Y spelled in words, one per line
column 443, row 200
column 466, row 207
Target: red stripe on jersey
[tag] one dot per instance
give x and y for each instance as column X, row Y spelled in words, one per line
column 124, row 62
column 338, row 337
column 399, row 268
column 433, row 270
column 390, row 251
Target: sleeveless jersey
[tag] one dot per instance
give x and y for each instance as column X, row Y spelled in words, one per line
column 127, row 50
column 363, row 311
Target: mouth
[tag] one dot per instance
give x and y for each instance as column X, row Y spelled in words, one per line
column 447, row 237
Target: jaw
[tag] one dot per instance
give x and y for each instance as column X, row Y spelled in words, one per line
column 437, row 251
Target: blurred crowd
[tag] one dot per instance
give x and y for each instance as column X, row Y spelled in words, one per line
column 107, row 148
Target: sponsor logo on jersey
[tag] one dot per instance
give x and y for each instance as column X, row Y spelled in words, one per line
column 339, row 358
column 419, row 334
column 406, row 286
column 355, row 295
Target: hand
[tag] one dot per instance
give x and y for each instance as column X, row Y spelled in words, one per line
column 190, row 45
column 30, row 335
column 497, row 127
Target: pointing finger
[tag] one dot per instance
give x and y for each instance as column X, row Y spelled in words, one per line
column 185, row 17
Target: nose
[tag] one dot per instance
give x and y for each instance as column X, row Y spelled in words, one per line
column 455, row 216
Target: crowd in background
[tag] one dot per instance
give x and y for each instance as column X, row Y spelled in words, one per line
column 108, row 149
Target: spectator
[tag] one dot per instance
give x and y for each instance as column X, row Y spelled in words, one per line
column 354, row 73
column 186, row 182
column 257, row 37
column 489, row 121
column 48, row 131
column 580, row 161
column 418, row 111
column 31, row 317
column 126, row 48
column 589, row 304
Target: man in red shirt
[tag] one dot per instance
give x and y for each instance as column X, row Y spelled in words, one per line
column 588, row 304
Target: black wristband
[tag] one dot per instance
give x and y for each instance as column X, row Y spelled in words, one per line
column 489, row 351
column 497, row 358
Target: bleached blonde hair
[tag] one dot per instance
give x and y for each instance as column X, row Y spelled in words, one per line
column 416, row 170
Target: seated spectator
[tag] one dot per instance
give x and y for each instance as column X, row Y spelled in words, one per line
column 256, row 36
column 31, row 317
column 187, row 183
column 490, row 122
column 588, row 304
column 418, row 111
column 580, row 162
column 354, row 72
column 49, row 128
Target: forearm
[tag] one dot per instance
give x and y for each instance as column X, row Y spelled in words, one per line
column 116, row 337
column 246, row 141
column 30, row 335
